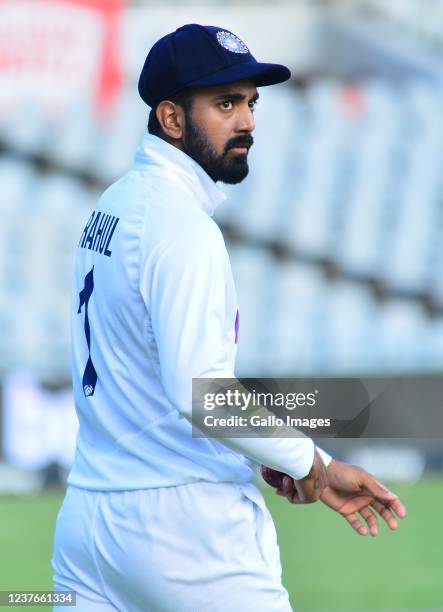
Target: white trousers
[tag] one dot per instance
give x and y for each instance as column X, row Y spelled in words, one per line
column 201, row 547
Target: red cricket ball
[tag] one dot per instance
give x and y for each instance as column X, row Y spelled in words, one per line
column 272, row 477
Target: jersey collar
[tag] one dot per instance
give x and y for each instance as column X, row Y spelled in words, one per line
column 156, row 150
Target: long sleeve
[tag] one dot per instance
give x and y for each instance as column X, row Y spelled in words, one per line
column 193, row 306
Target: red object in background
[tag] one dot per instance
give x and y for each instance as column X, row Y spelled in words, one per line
column 109, row 80
column 354, row 101
column 53, row 52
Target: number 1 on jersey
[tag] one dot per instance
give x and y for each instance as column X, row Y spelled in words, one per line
column 89, row 375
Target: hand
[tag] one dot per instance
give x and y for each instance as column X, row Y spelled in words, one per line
column 304, row 491
column 351, row 489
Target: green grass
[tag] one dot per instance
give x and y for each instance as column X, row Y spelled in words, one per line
column 326, row 566
column 26, row 528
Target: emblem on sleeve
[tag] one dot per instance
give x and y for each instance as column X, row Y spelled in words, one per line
column 230, row 42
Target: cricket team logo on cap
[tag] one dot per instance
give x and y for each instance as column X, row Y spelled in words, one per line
column 230, row 42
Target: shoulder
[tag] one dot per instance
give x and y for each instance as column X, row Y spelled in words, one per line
column 159, row 213
column 195, row 239
column 173, row 215
column 197, row 226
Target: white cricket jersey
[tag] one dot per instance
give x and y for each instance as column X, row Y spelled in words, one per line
column 154, row 305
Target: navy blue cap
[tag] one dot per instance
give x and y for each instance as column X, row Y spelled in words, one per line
column 201, row 56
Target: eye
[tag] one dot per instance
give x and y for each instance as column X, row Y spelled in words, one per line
column 253, row 104
column 226, row 104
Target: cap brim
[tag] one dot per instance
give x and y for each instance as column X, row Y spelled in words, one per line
column 261, row 73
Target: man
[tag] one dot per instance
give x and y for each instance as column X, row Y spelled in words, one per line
column 154, row 519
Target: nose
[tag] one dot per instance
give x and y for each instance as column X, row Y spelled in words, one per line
column 245, row 120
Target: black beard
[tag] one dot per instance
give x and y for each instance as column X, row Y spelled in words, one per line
column 230, row 170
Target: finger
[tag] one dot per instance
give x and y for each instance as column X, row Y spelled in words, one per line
column 288, row 490
column 397, row 507
column 287, row 485
column 295, row 497
column 291, row 492
column 386, row 514
column 356, row 524
column 371, row 520
column 280, row 492
column 381, row 492
column 384, row 495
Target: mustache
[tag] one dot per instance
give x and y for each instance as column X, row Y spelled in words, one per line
column 239, row 141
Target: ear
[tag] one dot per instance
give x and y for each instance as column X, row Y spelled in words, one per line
column 171, row 119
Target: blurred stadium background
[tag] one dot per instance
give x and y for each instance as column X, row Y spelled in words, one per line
column 336, row 242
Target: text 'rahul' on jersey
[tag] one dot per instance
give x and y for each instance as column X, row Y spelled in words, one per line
column 98, row 233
